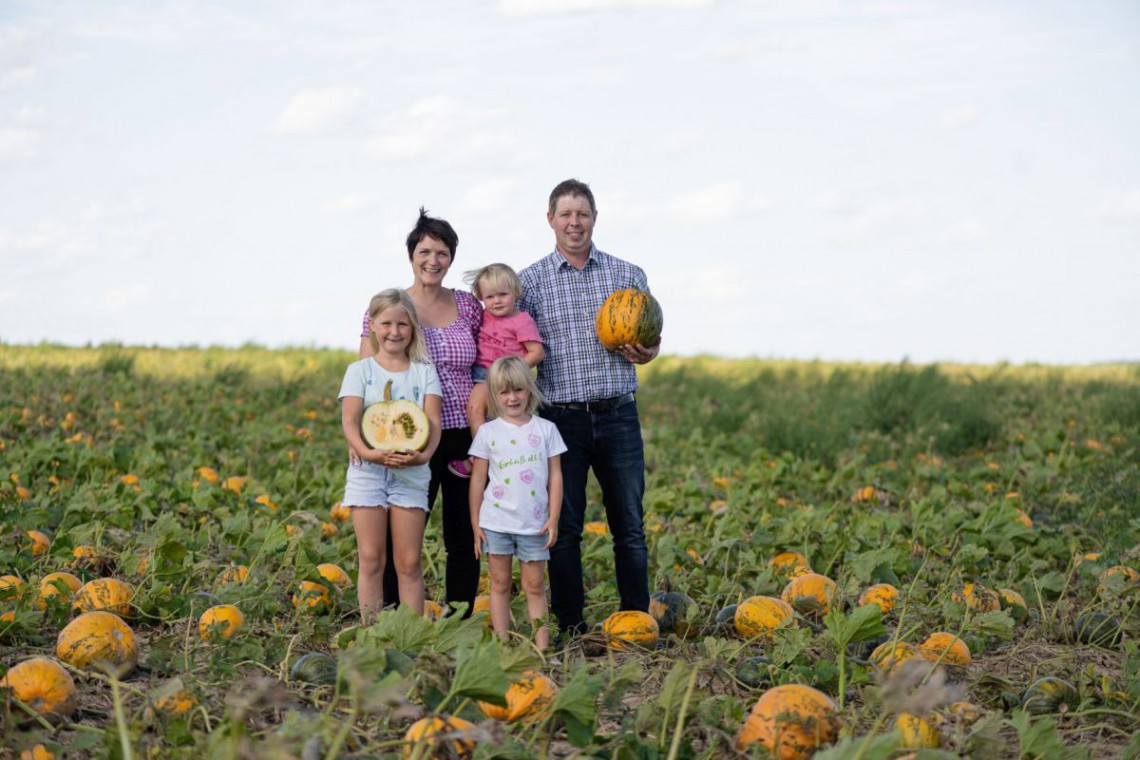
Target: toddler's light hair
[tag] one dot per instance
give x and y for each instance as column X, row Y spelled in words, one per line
column 496, row 275
column 507, row 374
column 386, row 299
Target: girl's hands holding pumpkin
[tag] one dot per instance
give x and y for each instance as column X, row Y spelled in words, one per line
column 398, row 460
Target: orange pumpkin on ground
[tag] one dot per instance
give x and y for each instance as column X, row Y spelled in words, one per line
column 1013, row 603
column 97, row 637
column 334, row 574
column 443, row 737
column 945, row 648
column 916, row 732
column 61, row 586
column 760, row 616
column 41, row 542
column 791, row 722
column 810, row 594
column 42, row 685
column 110, row 594
column 889, row 655
column 222, row 620
column 528, row 699
column 628, row 317
column 11, row 587
column 631, row 629
column 432, row 610
column 789, row 564
column 312, row 596
column 340, row 513
column 1129, row 575
column 172, row 699
column 883, row 594
column 234, row 574
column 978, row 597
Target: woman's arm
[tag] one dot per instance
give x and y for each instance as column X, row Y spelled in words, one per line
column 366, row 348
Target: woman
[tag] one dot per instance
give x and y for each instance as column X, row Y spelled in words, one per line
column 450, row 320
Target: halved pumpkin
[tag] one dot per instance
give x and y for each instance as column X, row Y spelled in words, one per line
column 395, row 425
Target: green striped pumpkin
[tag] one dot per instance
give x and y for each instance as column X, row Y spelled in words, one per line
column 629, row 317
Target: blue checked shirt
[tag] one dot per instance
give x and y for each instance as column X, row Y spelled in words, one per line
column 564, row 301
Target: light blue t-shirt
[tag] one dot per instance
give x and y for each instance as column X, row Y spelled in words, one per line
column 366, row 379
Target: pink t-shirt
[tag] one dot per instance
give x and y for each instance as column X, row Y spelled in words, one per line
column 504, row 336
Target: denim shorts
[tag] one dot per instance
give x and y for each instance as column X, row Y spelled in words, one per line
column 374, row 485
column 478, row 374
column 528, row 548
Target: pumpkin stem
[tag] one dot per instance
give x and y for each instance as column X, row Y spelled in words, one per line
column 388, row 391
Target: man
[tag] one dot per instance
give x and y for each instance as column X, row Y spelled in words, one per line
column 589, row 393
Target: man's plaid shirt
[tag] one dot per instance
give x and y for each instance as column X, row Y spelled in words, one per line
column 564, row 302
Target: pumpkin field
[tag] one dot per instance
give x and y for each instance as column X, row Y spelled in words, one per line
column 885, row 561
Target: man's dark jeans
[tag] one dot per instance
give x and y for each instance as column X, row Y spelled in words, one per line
column 610, row 443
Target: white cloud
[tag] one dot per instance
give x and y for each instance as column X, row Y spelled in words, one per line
column 677, row 142
column 956, row 118
column 539, row 7
column 1123, row 208
column 725, row 200
column 16, row 66
column 351, row 204
column 488, row 197
column 968, row 229
column 17, row 144
column 119, row 299
column 450, row 128
column 868, row 215
column 314, row 111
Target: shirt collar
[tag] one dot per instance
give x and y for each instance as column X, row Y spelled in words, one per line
column 593, row 259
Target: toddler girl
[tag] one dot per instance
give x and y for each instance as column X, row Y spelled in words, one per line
column 506, row 331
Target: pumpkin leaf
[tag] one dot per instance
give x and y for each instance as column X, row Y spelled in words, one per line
column 479, row 675
column 1038, row 738
column 575, row 706
column 880, row 747
column 863, row 624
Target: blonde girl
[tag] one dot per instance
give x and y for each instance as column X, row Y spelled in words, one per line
column 505, row 331
column 387, row 490
column 516, row 491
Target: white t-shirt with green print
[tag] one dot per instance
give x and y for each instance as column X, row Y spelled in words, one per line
column 516, row 499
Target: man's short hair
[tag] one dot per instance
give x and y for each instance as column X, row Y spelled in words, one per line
column 571, row 187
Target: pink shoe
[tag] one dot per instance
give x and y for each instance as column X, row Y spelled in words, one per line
column 460, row 468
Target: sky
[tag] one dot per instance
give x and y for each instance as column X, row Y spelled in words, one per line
column 805, row 179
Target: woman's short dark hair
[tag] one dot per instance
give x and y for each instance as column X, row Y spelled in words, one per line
column 429, row 226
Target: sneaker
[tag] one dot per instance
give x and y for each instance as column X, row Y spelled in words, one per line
column 460, row 468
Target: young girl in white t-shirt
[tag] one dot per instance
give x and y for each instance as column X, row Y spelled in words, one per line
column 516, row 491
column 388, row 490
